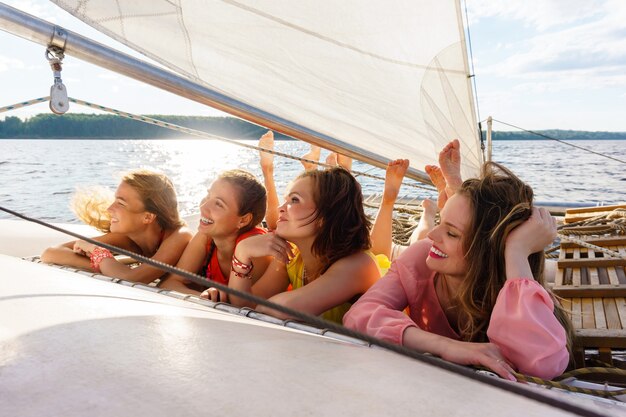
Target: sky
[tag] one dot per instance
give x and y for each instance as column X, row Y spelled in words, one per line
column 538, row 64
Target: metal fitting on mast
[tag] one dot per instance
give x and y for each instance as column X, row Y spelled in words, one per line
column 59, row 102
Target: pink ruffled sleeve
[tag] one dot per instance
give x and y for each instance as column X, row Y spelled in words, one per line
column 379, row 311
column 525, row 329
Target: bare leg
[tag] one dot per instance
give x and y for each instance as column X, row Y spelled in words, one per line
column 344, row 161
column 313, row 154
column 382, row 229
column 427, row 221
column 331, row 159
column 436, row 176
column 450, row 163
column 267, row 167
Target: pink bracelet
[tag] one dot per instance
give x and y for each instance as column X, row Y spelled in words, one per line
column 97, row 256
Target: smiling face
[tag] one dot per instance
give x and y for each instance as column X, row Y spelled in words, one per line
column 128, row 213
column 296, row 218
column 219, row 210
column 447, row 255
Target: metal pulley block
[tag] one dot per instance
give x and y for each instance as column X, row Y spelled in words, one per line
column 59, row 102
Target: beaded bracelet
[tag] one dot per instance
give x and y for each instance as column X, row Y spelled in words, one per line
column 97, row 256
column 247, row 275
column 238, row 264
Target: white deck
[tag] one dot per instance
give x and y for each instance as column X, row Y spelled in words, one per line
column 72, row 345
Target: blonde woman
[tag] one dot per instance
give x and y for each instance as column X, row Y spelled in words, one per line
column 143, row 218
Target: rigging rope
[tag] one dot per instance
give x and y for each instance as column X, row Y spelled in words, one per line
column 561, row 141
column 614, row 221
column 339, row 329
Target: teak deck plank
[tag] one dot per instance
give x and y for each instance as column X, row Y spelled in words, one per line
column 599, row 314
column 589, row 321
column 610, row 311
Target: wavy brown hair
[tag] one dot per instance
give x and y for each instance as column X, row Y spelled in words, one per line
column 155, row 190
column 344, row 227
column 499, row 202
column 251, row 197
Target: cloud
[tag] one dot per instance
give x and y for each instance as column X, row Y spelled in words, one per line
column 540, row 14
column 590, row 53
column 8, row 63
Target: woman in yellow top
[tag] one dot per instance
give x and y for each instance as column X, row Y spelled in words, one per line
column 320, row 247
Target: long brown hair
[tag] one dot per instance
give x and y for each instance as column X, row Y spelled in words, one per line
column 251, row 196
column 155, row 190
column 344, row 227
column 499, row 202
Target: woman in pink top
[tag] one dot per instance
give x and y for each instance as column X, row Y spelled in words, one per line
column 475, row 289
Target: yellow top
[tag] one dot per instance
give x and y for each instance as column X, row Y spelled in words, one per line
column 295, row 271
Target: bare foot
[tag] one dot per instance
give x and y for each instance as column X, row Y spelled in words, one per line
column 393, row 179
column 436, row 176
column 450, row 163
column 314, row 155
column 267, row 142
column 427, row 221
column 344, row 161
column 331, row 159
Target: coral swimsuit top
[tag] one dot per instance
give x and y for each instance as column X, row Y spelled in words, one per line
column 211, row 268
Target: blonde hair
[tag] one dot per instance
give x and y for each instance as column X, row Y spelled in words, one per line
column 155, row 190
column 90, row 206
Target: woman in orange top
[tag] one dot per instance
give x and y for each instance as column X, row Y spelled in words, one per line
column 230, row 212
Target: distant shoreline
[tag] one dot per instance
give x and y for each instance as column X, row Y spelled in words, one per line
column 108, row 127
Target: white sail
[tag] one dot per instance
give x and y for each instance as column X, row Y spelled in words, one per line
column 390, row 78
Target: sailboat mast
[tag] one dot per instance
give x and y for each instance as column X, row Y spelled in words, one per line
column 472, row 103
column 40, row 31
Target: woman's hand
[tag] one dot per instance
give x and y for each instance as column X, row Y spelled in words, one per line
column 478, row 354
column 263, row 245
column 534, row 234
column 215, row 295
column 83, row 248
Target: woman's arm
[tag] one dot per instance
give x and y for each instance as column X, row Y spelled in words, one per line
column 267, row 167
column 523, row 323
column 379, row 313
column 169, row 252
column 346, row 278
column 273, row 280
column 191, row 260
column 65, row 254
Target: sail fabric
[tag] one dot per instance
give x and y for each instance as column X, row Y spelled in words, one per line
column 386, row 77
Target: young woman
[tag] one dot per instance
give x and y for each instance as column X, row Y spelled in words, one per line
column 230, row 212
column 320, row 248
column 475, row 288
column 143, row 218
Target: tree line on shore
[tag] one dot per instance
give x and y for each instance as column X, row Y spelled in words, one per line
column 96, row 126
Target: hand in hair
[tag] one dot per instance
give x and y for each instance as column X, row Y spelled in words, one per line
column 531, row 236
column 534, row 234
